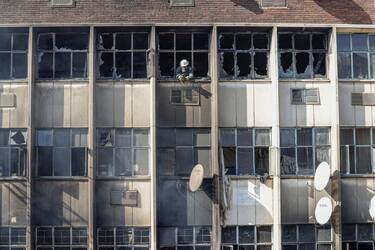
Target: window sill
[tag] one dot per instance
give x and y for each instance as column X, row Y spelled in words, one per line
column 357, row 175
column 197, row 81
column 356, row 80
column 297, row 176
column 265, row 80
column 14, row 81
column 78, row 80
column 247, row 177
column 13, row 178
column 124, row 178
column 61, row 178
column 143, row 80
column 317, row 80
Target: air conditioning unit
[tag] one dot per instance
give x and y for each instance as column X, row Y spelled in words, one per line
column 363, row 99
column 124, row 197
column 63, row 3
column 305, row 96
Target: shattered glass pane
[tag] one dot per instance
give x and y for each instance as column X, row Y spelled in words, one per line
column 140, row 41
column 123, row 64
column 226, row 41
column 319, row 64
column 166, row 41
column 20, row 41
column 360, row 65
column 166, row 64
column 227, row 64
column 19, row 65
column 5, row 41
column 5, row 66
column 243, row 41
column 359, row 42
column 79, row 64
column 62, row 65
column 71, row 41
column 261, row 64
column 183, row 41
column 302, row 41
column 106, row 64
column 123, row 41
column 245, row 161
column 139, row 65
column 343, row 42
column 45, row 42
column 286, row 63
column 45, row 66
column 303, row 65
column 261, row 161
column 344, row 65
column 319, row 41
column 229, row 154
column 243, row 64
column 201, row 64
column 105, row 41
column 105, row 138
column 285, row 41
column 260, row 41
column 201, row 41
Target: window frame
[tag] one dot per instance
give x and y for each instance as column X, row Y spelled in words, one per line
column 53, row 244
column 10, row 244
column 194, row 236
column 356, row 240
column 256, row 242
column 115, row 246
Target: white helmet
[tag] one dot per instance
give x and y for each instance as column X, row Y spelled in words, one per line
column 184, row 63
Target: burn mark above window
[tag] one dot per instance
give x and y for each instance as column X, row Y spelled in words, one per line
column 243, row 55
column 62, row 55
column 302, row 55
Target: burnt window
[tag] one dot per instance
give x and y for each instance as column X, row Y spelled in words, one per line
column 61, row 238
column 246, row 237
column 122, row 55
column 13, row 54
column 123, row 238
column 243, row 55
column 197, row 237
column 302, row 55
column 358, row 236
column 61, row 152
column 176, row 46
column 245, row 151
column 62, row 55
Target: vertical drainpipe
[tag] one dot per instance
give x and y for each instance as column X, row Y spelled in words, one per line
column 275, row 141
column 30, row 128
column 215, row 136
column 152, row 74
column 335, row 140
column 91, row 141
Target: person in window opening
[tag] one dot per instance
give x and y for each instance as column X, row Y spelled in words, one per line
column 184, row 72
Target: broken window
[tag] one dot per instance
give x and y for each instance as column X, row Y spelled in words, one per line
column 245, row 151
column 185, row 96
column 13, row 54
column 61, row 152
column 62, row 55
column 302, row 55
column 12, row 238
column 305, row 96
column 243, row 55
column 122, row 152
column 303, row 149
column 13, row 153
column 307, row 236
column 61, row 238
column 176, row 46
column 179, row 150
column 122, row 55
column 358, row 236
column 246, row 237
column 123, row 238
column 185, row 237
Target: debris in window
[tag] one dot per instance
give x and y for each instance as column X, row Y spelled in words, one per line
column 105, row 41
column 286, row 64
column 106, row 68
column 319, row 64
column 227, row 64
column 200, row 64
column 166, row 64
column 302, row 41
column 17, row 137
column 303, row 68
column 201, row 41
column 261, row 64
column 226, row 41
column 123, row 41
column 62, row 65
column 106, row 138
column 244, row 64
column 285, row 41
column 45, row 65
column 243, row 41
column 260, row 41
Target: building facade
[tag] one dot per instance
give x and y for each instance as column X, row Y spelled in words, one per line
column 98, row 137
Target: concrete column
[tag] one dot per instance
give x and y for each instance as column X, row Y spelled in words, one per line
column 216, row 229
column 275, row 142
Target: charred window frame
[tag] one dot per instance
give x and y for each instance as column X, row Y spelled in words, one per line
column 123, row 152
column 123, row 237
column 246, row 237
column 175, row 46
column 13, row 152
column 13, row 54
column 307, row 236
column 62, row 55
column 71, row 238
column 178, row 150
column 195, row 238
column 122, row 55
column 358, row 236
column 303, row 149
column 61, row 152
column 357, row 150
column 302, row 55
column 245, row 151
column 13, row 238
column 356, row 56
column 185, row 96
column 244, row 55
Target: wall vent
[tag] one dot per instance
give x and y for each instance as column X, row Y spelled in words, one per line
column 182, row 3
column 363, row 99
column 124, row 197
column 305, row 96
column 63, row 3
column 7, row 100
column 273, row 3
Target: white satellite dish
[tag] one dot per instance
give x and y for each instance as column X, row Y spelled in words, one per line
column 322, row 174
column 323, row 210
column 372, row 208
column 196, row 178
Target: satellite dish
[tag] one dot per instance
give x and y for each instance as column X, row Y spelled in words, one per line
column 372, row 208
column 322, row 174
column 323, row 210
column 196, row 178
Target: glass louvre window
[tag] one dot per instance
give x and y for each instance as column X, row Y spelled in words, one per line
column 13, row 152
column 302, row 55
column 357, row 150
column 358, row 236
column 62, row 55
column 356, row 56
column 63, row 238
column 13, row 238
column 245, row 151
column 192, row 238
column 122, row 152
column 246, row 237
column 122, row 55
column 307, row 236
column 61, row 152
column 179, row 150
column 243, row 55
column 129, row 238
column 13, row 53
column 175, row 46
column 303, row 149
